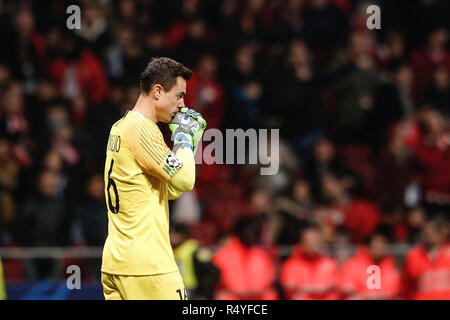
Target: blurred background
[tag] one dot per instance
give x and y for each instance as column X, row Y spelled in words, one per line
column 364, row 144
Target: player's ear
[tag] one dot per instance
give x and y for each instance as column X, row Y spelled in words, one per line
column 157, row 91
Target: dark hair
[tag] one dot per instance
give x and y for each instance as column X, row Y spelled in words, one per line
column 163, row 71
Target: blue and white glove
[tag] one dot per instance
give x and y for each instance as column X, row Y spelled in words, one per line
column 187, row 129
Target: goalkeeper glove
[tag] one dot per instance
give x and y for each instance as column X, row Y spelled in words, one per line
column 187, row 129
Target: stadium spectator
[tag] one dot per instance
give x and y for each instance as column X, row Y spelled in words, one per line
column 126, row 12
column 205, row 93
column 199, row 275
column 61, row 134
column 328, row 221
column 43, row 221
column 196, row 42
column 289, row 21
column 394, row 169
column 240, row 22
column 125, row 56
column 309, row 274
column 94, row 27
column 393, row 223
column 355, row 91
column 261, row 209
column 425, row 59
column 14, row 123
column 9, row 172
column 252, row 273
column 427, row 266
column 43, row 216
column 432, row 156
column 243, row 88
column 359, row 216
column 327, row 22
column 438, row 91
column 324, row 160
column 300, row 89
column 393, row 101
column 355, row 279
column 247, row 99
column 416, row 221
column 294, row 212
column 50, row 161
column 393, row 51
column 26, row 56
column 78, row 70
column 89, row 215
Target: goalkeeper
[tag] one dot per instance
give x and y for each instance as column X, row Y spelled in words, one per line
column 141, row 175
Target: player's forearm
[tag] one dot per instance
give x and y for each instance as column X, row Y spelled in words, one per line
column 184, row 179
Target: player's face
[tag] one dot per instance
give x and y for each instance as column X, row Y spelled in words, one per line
column 171, row 101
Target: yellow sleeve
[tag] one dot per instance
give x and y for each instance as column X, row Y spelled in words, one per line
column 2, row 283
column 184, row 179
column 147, row 145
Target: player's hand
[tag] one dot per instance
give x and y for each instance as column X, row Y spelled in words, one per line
column 187, row 128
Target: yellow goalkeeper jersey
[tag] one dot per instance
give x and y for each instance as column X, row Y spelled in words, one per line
column 137, row 170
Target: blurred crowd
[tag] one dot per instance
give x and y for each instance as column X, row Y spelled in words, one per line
column 364, row 137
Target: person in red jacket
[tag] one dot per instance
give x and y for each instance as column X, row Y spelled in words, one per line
column 246, row 271
column 309, row 274
column 205, row 93
column 79, row 72
column 358, row 276
column 427, row 266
